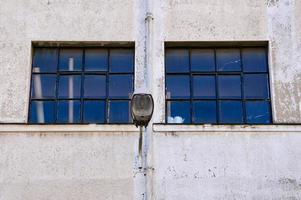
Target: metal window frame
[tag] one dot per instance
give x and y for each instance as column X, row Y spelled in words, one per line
column 82, row 73
column 217, row 73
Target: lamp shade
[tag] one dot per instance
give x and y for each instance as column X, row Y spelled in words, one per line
column 142, row 107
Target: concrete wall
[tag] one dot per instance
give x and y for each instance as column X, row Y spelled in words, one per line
column 67, row 163
column 277, row 22
column 186, row 162
column 193, row 163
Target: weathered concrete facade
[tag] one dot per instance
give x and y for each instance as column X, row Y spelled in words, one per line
column 186, row 162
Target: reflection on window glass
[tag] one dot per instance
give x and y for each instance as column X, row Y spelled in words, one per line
column 202, row 60
column 230, row 112
column 120, row 86
column 258, row 112
column 95, row 86
column 229, row 87
column 204, row 112
column 76, row 85
column 70, row 60
column 179, row 112
column 256, row 86
column 68, row 112
column 43, row 86
column 69, row 86
column 42, row 112
column 96, row 60
column 217, row 85
column 178, row 86
column 228, row 60
column 121, row 60
column 45, row 60
column 94, row 111
column 204, row 87
column 177, row 60
column 254, row 60
column 119, row 112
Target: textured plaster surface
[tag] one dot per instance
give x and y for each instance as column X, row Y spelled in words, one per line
column 22, row 22
column 64, row 166
column 285, row 58
column 219, row 165
column 277, row 22
column 189, row 163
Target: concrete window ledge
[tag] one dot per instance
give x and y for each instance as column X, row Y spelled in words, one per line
column 68, row 128
column 225, row 128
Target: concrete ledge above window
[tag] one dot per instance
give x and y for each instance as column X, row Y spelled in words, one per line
column 67, row 128
column 225, row 128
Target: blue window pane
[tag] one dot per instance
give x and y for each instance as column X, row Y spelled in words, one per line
column 96, row 60
column 119, row 112
column 204, row 112
column 121, row 60
column 229, row 87
column 204, row 87
column 70, row 59
column 230, row 112
column 178, row 112
column 177, row 60
column 95, row 86
column 258, row 112
column 228, row 60
column 178, row 86
column 45, row 60
column 42, row 112
column 69, row 86
column 94, row 111
column 254, row 60
column 202, row 60
column 120, row 86
column 68, row 112
column 256, row 86
column 43, row 86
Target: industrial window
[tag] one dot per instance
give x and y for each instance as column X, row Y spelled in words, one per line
column 81, row 85
column 217, row 86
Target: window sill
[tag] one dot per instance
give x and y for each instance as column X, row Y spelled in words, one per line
column 226, row 128
column 75, row 128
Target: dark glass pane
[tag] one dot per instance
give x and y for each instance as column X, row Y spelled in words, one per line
column 120, row 86
column 230, row 112
column 229, row 87
column 45, row 60
column 178, row 86
column 42, row 112
column 202, row 60
column 43, row 86
column 70, row 59
column 204, row 112
column 122, row 60
column 258, row 112
column 69, row 86
column 254, row 60
column 178, row 112
column 94, row 111
column 119, row 112
column 68, row 112
column 95, row 86
column 177, row 60
column 256, row 86
column 228, row 60
column 96, row 60
column 204, row 87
